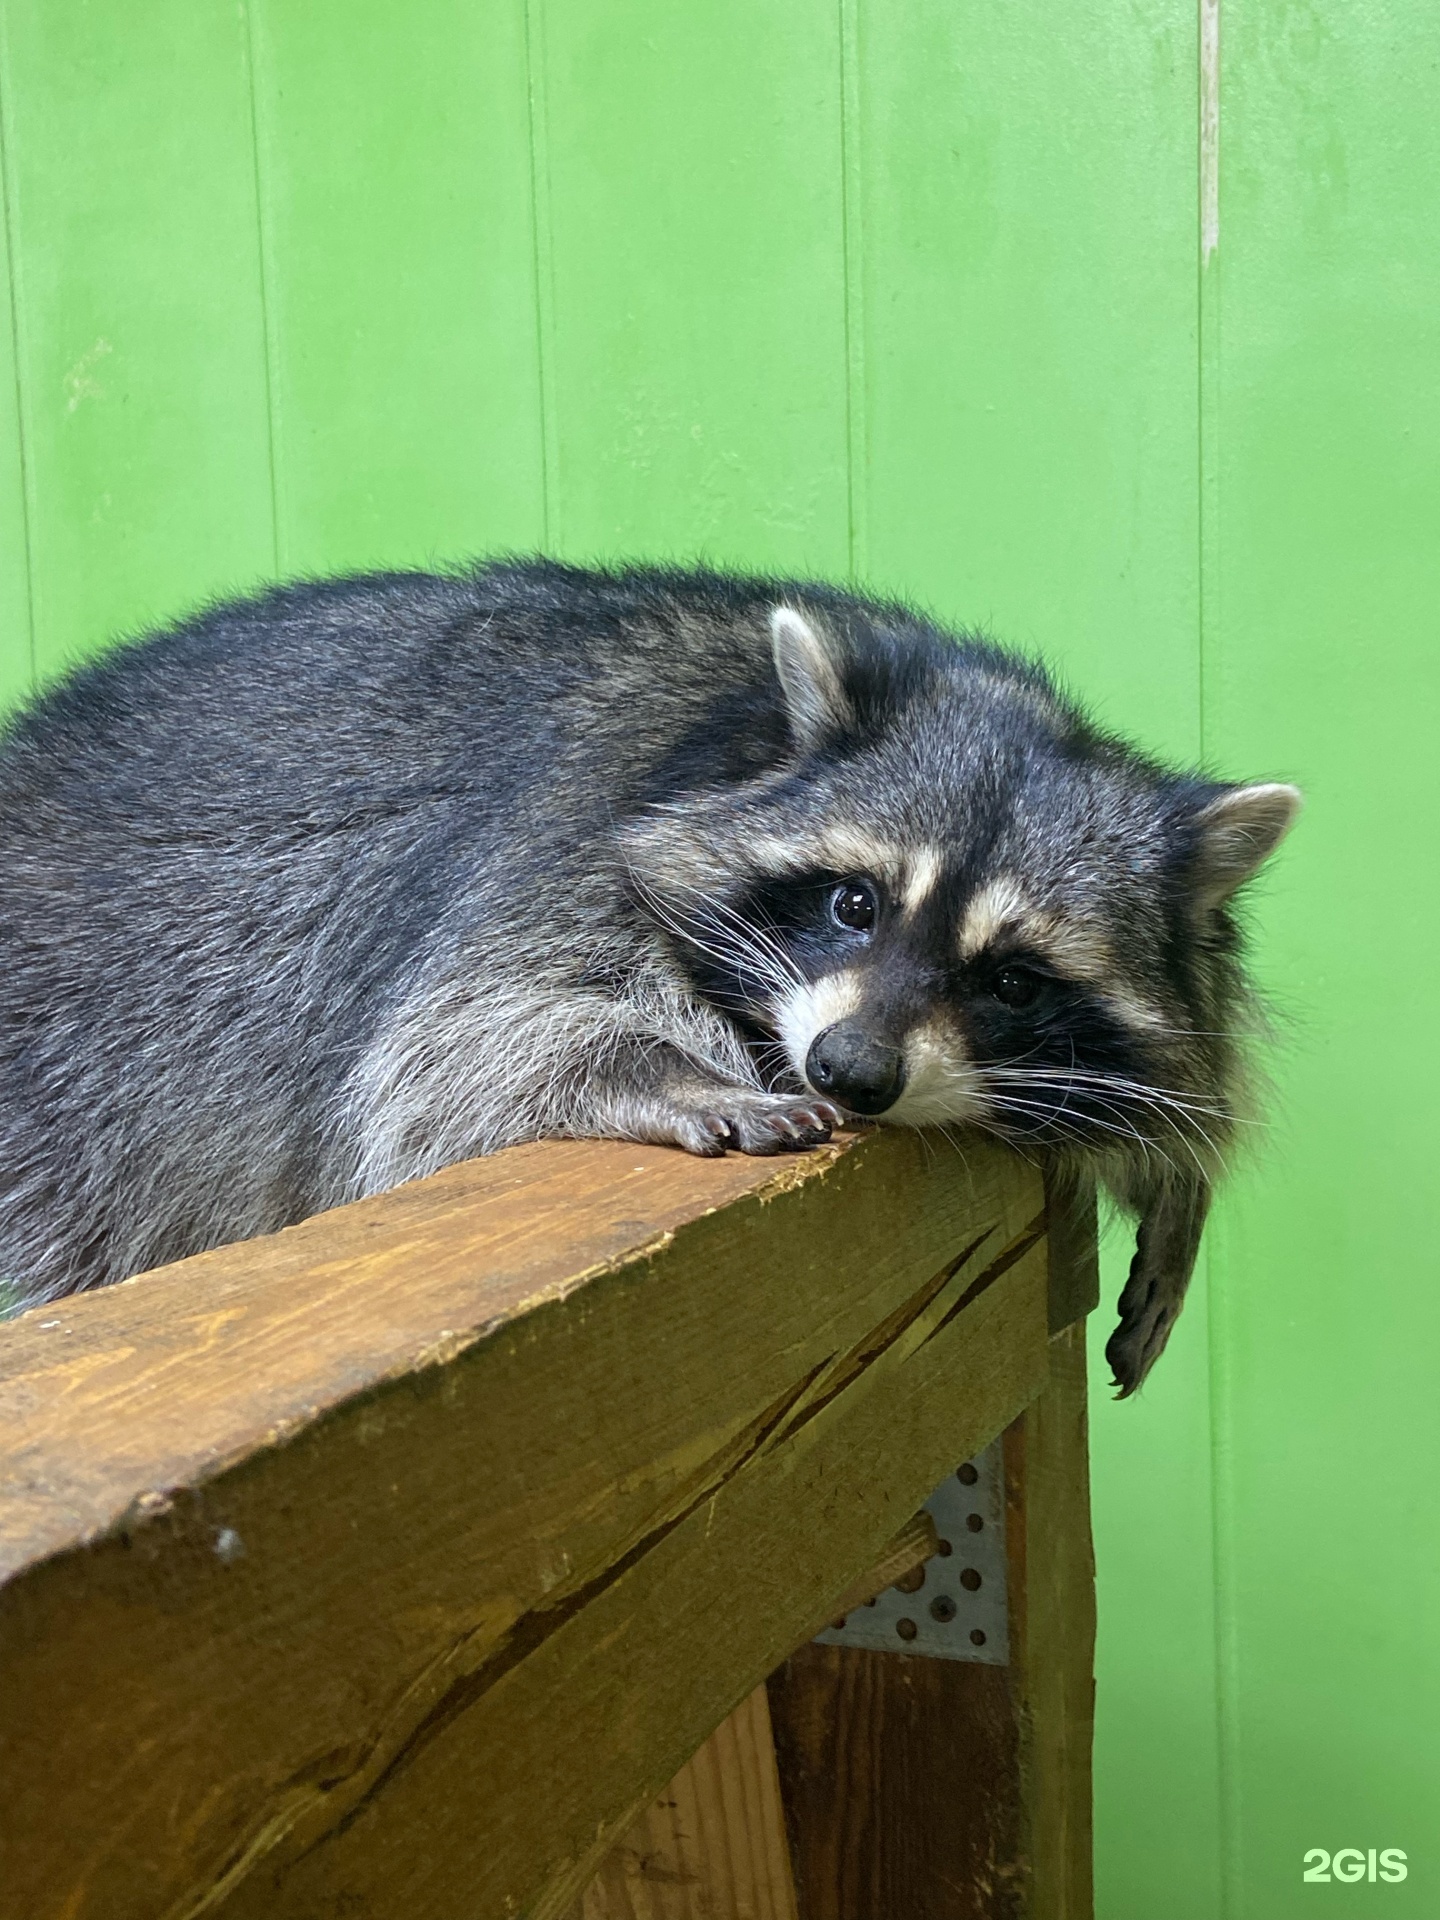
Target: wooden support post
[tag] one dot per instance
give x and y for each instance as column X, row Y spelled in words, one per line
column 1053, row 1629
column 952, row 1790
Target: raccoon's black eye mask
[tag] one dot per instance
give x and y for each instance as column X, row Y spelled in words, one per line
column 822, row 917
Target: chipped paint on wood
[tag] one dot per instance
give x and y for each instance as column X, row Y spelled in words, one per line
column 1209, row 129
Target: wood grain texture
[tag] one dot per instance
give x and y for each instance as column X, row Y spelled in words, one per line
column 952, row 1790
column 380, row 1567
column 900, row 1778
column 164, row 1381
column 916, row 1542
column 1074, row 1252
column 1053, row 1632
column 712, row 1847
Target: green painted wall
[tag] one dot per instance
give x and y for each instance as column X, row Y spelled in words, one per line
column 914, row 293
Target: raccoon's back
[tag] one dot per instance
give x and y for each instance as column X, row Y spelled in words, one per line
column 319, row 752
column 493, row 680
column 301, row 692
column 312, row 771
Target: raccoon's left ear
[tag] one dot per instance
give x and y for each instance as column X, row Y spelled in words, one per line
column 808, row 661
column 1238, row 833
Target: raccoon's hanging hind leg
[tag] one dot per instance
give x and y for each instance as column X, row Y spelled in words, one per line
column 1166, row 1244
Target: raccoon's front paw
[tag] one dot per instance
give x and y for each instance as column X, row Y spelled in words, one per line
column 735, row 1118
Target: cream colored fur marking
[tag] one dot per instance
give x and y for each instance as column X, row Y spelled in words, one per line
column 1077, row 949
column 809, row 675
column 807, row 1010
column 1132, row 1011
column 940, row 1082
column 909, row 877
column 842, row 849
column 922, row 872
column 998, row 904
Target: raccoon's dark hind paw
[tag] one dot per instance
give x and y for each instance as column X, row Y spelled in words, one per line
column 1166, row 1243
column 1139, row 1340
column 759, row 1123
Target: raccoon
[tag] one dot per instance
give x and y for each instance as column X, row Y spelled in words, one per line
column 320, row 891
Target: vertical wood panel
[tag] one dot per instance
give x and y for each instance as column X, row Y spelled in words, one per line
column 16, row 642
column 1323, row 664
column 900, row 1776
column 399, row 246
column 142, row 376
column 690, row 161
column 1028, row 212
column 953, row 1790
column 1027, row 184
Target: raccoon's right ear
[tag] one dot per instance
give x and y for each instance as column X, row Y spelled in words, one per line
column 808, row 662
column 1238, row 833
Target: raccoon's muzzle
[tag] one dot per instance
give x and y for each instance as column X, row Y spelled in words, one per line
column 853, row 1067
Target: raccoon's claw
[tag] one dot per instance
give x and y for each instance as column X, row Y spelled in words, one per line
column 759, row 1123
column 1138, row 1341
column 770, row 1123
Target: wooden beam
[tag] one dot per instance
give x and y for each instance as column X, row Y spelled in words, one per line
column 394, row 1564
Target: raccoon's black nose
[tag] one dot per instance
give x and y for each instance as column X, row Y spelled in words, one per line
column 862, row 1073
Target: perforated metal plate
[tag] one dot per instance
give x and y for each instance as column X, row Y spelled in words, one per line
column 957, row 1608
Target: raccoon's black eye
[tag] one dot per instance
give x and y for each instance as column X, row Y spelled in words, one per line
column 853, row 905
column 1016, row 986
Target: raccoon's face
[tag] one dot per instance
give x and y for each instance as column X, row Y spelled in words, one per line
column 958, row 902
column 928, row 984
